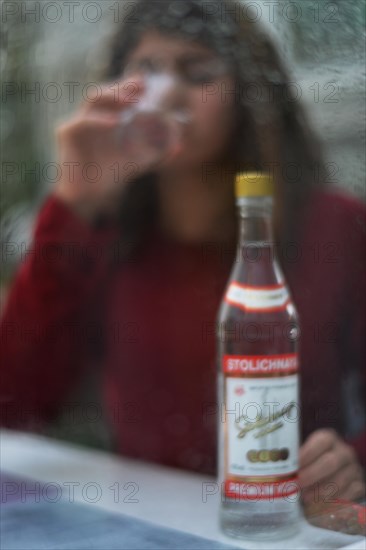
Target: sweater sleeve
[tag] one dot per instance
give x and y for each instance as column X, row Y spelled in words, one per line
column 43, row 317
column 354, row 350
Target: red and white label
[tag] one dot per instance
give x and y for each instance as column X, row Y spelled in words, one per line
column 261, row 415
column 258, row 298
column 261, row 365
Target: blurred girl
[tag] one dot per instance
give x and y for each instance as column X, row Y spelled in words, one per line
column 147, row 254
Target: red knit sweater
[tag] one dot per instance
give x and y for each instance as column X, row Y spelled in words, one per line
column 157, row 312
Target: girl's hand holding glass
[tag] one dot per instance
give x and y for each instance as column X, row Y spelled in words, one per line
column 122, row 132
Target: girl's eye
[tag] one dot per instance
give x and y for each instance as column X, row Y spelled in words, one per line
column 198, row 75
column 194, row 73
column 146, row 65
column 205, row 72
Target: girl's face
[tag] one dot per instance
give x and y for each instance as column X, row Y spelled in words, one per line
column 205, row 89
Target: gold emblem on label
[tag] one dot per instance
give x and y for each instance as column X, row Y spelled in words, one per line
column 268, row 455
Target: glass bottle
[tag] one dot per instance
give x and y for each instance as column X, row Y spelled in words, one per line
column 258, row 393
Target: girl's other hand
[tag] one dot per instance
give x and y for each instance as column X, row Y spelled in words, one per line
column 329, row 469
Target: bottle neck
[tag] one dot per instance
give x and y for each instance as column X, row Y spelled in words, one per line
column 256, row 225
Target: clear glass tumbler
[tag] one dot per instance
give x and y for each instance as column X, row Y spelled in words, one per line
column 153, row 126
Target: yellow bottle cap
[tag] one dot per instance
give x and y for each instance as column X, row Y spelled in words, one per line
column 254, row 184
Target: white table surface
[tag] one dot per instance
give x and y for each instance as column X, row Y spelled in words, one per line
column 165, row 496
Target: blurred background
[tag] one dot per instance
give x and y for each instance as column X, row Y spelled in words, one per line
column 53, row 52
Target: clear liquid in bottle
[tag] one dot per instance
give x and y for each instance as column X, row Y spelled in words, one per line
column 257, row 341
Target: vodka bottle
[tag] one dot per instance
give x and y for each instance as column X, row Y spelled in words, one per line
column 257, row 340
